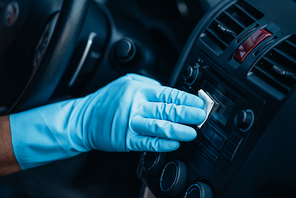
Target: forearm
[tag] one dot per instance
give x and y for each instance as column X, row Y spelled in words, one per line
column 8, row 162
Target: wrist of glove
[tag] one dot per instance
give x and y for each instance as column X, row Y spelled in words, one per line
column 133, row 113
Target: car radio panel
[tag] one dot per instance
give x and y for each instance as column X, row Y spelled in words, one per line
column 228, row 135
column 230, row 123
column 247, row 93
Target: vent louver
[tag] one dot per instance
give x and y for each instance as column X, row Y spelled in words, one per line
column 276, row 71
column 231, row 22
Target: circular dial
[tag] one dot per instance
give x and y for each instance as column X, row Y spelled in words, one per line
column 190, row 74
column 244, row 120
column 173, row 178
column 199, row 190
column 124, row 50
column 153, row 162
column 127, row 54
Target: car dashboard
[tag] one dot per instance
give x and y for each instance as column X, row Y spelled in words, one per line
column 242, row 54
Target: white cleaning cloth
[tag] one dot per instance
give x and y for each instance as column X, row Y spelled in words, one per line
column 209, row 103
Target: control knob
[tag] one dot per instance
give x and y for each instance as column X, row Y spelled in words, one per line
column 153, row 162
column 199, row 190
column 173, row 178
column 244, row 120
column 190, row 74
column 124, row 50
column 126, row 53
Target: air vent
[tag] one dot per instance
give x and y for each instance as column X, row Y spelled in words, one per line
column 276, row 71
column 231, row 22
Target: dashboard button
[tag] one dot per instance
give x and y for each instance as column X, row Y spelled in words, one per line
column 213, row 136
column 231, row 147
column 205, row 150
column 207, row 132
column 218, row 141
column 235, row 138
column 228, row 155
column 124, row 49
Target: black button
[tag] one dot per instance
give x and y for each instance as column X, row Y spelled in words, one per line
column 123, row 48
column 218, row 141
column 228, row 155
column 207, row 132
column 206, row 151
column 231, row 147
column 235, row 138
column 215, row 138
column 231, row 150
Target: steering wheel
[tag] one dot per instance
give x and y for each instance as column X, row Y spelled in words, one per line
column 48, row 72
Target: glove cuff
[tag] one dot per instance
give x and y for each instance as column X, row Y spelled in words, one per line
column 42, row 135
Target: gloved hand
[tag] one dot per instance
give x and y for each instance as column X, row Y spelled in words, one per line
column 133, row 113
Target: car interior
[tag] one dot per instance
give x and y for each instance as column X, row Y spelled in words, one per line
column 240, row 52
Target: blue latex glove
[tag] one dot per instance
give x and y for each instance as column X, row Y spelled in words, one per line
column 133, row 113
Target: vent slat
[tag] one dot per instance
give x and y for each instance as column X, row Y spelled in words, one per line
column 277, row 68
column 271, row 62
column 235, row 20
column 285, row 55
column 291, row 43
column 228, row 25
column 246, row 12
column 217, row 37
column 268, row 75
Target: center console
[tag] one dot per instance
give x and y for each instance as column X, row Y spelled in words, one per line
column 242, row 55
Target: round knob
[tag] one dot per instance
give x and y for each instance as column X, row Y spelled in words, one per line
column 124, row 50
column 199, row 190
column 153, row 162
column 190, row 74
column 244, row 120
column 173, row 178
column 127, row 54
column 187, row 72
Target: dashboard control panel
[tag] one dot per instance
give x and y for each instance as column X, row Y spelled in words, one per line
column 242, row 55
column 230, row 122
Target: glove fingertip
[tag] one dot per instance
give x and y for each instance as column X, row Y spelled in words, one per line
column 191, row 135
column 196, row 101
column 202, row 115
column 167, row 146
column 190, row 100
